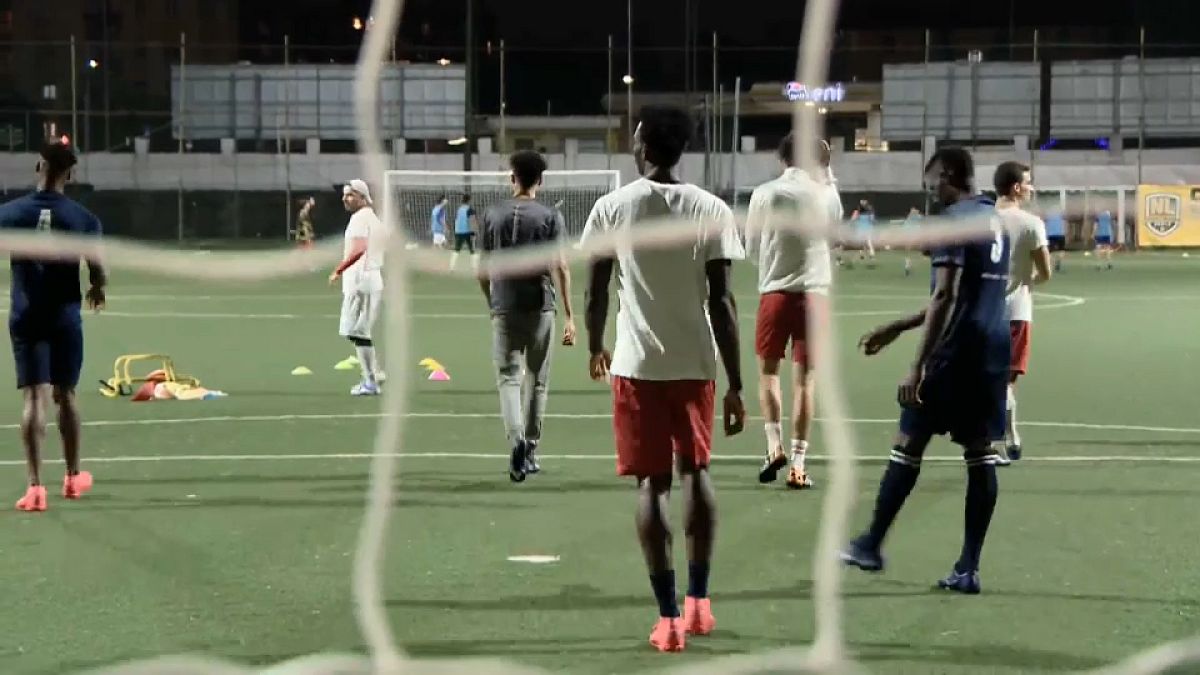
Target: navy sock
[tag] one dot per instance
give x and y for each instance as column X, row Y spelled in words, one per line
column 663, row 584
column 898, row 480
column 982, row 490
column 697, row 580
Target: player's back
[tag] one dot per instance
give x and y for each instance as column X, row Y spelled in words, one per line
column 519, row 223
column 663, row 331
column 44, row 288
column 977, row 334
column 787, row 260
column 1026, row 233
column 366, row 274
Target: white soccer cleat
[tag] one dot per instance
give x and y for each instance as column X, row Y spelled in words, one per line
column 365, row 389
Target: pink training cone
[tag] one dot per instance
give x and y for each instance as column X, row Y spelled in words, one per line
column 439, row 376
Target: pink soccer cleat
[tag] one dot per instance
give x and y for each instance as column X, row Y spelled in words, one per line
column 76, row 486
column 34, row 499
column 698, row 618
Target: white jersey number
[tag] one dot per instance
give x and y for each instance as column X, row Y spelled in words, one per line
column 998, row 241
column 44, row 218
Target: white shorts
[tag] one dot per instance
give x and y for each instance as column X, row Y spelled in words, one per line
column 439, row 239
column 359, row 312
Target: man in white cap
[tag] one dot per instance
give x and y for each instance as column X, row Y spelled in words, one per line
column 362, row 282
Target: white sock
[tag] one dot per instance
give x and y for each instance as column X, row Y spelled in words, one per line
column 474, row 261
column 366, row 361
column 453, row 259
column 774, row 437
column 799, row 449
column 1010, row 419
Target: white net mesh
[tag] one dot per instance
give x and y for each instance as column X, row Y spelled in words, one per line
column 415, row 199
column 414, row 194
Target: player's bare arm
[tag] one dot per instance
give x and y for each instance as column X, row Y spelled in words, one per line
column 1042, row 266
column 358, row 247
column 595, row 317
column 875, row 341
column 722, row 312
column 937, row 314
column 97, row 281
column 562, row 278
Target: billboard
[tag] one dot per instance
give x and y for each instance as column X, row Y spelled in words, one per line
column 1168, row 215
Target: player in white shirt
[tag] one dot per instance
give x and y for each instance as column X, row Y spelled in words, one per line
column 361, row 272
column 793, row 284
column 1029, row 265
column 676, row 313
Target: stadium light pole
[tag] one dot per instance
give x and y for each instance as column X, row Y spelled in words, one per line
column 469, row 117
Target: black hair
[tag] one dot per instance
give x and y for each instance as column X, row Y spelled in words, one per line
column 666, row 131
column 527, row 166
column 466, row 199
column 1008, row 175
column 957, row 164
column 787, row 150
column 59, row 159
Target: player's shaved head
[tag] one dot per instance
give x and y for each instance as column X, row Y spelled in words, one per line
column 787, row 151
column 57, row 161
column 661, row 136
column 527, row 168
column 1009, row 176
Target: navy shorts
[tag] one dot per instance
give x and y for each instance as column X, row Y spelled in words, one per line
column 970, row 407
column 1104, row 241
column 47, row 351
column 1057, row 242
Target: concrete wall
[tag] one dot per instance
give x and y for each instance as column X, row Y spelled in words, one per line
column 882, row 172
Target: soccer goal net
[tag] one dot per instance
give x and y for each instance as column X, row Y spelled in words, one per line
column 415, row 194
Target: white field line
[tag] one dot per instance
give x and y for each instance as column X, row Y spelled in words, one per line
column 127, row 459
column 220, row 419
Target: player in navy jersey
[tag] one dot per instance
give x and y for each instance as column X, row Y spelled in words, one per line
column 44, row 321
column 957, row 382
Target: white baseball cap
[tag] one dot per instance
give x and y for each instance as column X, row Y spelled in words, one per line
column 360, row 186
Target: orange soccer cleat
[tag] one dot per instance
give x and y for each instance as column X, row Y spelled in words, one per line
column 668, row 635
column 76, row 486
column 798, row 479
column 698, row 618
column 34, row 499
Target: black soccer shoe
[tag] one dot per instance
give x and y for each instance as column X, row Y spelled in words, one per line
column 771, row 466
column 964, row 582
column 531, row 463
column 861, row 554
column 517, row 462
column 1014, row 452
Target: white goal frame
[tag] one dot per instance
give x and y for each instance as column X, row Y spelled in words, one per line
column 1119, row 234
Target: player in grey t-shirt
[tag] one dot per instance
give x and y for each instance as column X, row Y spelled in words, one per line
column 522, row 309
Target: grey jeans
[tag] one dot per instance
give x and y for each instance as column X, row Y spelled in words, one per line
column 521, row 346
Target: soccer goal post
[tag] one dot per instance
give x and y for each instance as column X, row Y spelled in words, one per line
column 1081, row 204
column 413, row 195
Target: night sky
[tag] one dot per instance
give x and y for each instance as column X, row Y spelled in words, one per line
column 557, row 56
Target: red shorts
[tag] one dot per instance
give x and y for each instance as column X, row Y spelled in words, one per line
column 1019, row 330
column 657, row 420
column 782, row 317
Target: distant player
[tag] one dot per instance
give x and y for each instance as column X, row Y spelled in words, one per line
column 44, row 321
column 1030, row 265
column 1104, row 240
column 664, row 366
column 1056, row 235
column 958, row 379
column 912, row 220
column 793, row 284
column 305, row 233
column 361, row 272
column 864, row 223
column 465, row 225
column 437, row 222
column 523, row 310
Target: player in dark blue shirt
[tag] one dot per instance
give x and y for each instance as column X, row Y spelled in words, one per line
column 44, row 320
column 957, row 383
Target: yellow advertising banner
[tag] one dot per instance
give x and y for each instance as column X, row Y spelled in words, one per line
column 1168, row 215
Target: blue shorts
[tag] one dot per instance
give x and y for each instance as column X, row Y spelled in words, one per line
column 970, row 407
column 47, row 351
column 1057, row 242
column 1104, row 240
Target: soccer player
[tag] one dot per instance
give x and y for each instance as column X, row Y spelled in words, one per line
column 956, row 384
column 864, row 223
column 522, row 310
column 361, row 272
column 1030, row 264
column 912, row 220
column 1104, row 239
column 437, row 222
column 304, row 225
column 1056, row 234
column 793, row 284
column 663, row 367
column 44, row 321
column 464, row 231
